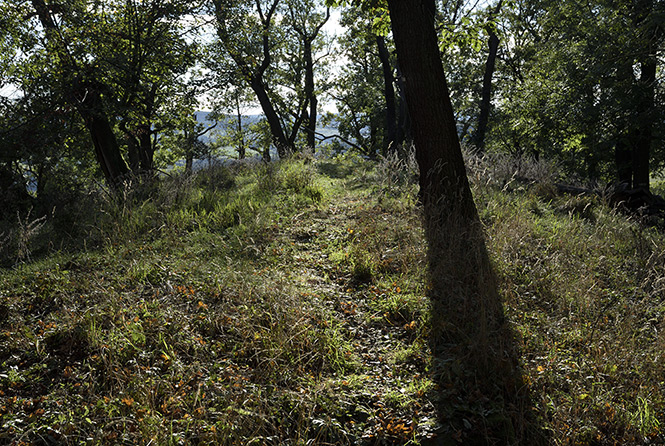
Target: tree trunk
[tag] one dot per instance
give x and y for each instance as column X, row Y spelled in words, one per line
column 189, row 162
column 310, row 95
column 144, row 130
column 388, row 94
column 284, row 148
column 86, row 97
column 486, row 94
column 241, row 142
column 623, row 147
column 644, row 132
column 467, row 314
column 633, row 150
column 146, row 149
column 132, row 147
column 403, row 120
column 443, row 179
column 106, row 146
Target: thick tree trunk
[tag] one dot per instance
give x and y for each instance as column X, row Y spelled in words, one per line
column 106, row 146
column 443, row 179
column 388, row 94
column 467, row 315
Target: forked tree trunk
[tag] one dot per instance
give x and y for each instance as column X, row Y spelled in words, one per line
column 104, row 141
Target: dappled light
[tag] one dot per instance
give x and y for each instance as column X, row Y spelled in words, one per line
column 310, row 223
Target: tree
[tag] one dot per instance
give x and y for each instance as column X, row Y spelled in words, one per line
column 83, row 89
column 486, row 93
column 245, row 31
column 145, row 66
column 467, row 312
column 307, row 22
column 114, row 63
column 648, row 24
column 45, row 153
column 388, row 93
column 369, row 110
column 236, row 129
column 563, row 97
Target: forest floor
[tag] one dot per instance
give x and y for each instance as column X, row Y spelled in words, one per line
column 287, row 304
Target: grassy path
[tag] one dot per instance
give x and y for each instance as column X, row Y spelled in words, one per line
column 291, row 323
column 285, row 304
column 386, row 390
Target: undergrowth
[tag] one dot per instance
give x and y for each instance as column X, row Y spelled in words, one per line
column 286, row 303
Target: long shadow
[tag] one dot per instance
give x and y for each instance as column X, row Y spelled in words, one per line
column 481, row 397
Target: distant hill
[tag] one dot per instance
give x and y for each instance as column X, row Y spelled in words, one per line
column 204, row 117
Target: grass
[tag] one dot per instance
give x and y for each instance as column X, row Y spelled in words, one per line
column 286, row 304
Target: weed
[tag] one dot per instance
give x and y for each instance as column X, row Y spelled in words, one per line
column 17, row 244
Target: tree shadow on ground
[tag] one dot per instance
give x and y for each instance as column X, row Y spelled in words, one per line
column 481, row 395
